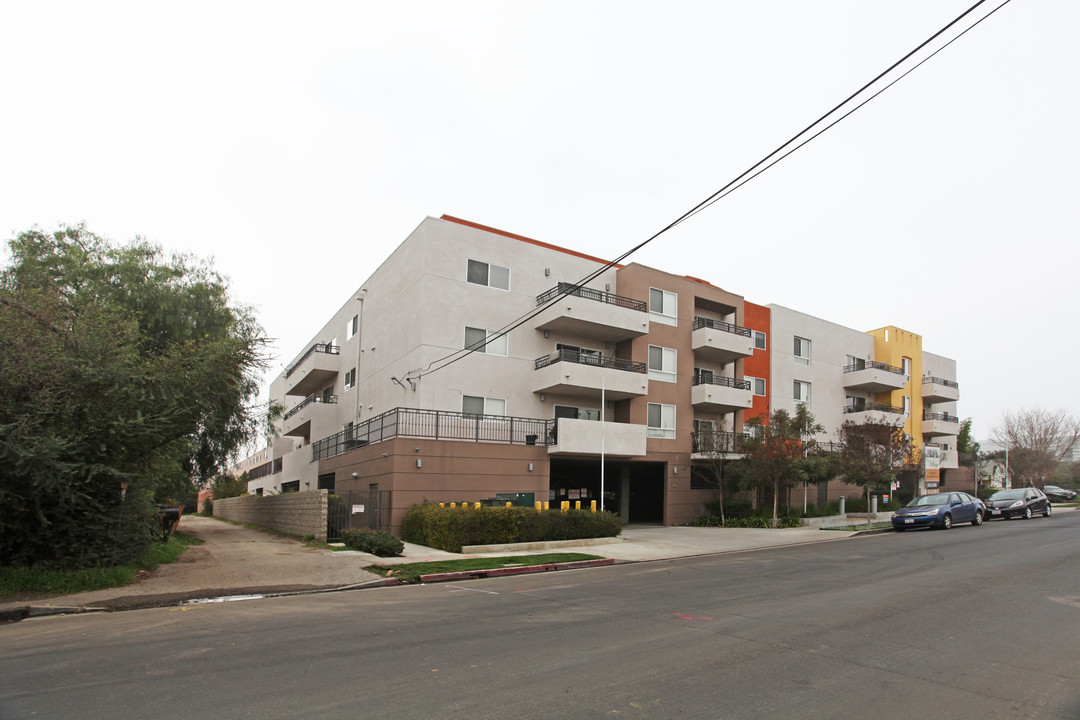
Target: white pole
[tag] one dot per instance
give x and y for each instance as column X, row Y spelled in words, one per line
column 603, row 407
column 1008, row 482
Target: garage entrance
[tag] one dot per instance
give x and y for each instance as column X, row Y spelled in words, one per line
column 634, row 490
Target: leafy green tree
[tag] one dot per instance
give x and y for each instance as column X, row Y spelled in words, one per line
column 871, row 455
column 781, row 453
column 125, row 377
column 227, row 486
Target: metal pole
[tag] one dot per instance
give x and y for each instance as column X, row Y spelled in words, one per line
column 603, row 410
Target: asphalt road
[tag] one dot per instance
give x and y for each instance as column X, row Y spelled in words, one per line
column 968, row 623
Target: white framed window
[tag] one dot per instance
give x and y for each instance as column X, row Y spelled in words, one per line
column 351, row 326
column 662, row 363
column 350, row 379
column 802, row 351
column 801, row 391
column 485, row 341
column 661, row 421
column 663, row 306
column 482, row 273
column 906, row 364
column 756, row 384
column 906, row 404
column 475, row 405
column 759, row 340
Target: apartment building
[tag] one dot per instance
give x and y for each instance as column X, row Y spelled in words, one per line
column 411, row 392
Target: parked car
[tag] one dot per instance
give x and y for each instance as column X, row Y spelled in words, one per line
column 942, row 510
column 1018, row 502
column 1058, row 494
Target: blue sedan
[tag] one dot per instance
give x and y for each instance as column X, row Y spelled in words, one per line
column 942, row 510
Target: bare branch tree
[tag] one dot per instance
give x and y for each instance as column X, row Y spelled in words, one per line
column 1037, row 441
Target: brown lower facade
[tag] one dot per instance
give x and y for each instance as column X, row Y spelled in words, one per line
column 655, row 489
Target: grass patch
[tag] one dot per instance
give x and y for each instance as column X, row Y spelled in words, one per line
column 411, row 572
column 27, row 583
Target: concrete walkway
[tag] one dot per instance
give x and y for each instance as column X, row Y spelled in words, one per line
column 236, row 561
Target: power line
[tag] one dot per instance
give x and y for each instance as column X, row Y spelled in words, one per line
column 746, row 176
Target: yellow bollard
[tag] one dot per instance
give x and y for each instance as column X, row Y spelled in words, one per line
column 592, row 506
column 577, row 504
column 538, row 506
column 509, row 504
column 442, row 504
column 453, row 505
column 476, row 506
column 546, row 506
column 565, row 505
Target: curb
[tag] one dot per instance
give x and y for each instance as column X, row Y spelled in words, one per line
column 521, row 570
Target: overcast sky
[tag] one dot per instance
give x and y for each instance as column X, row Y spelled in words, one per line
column 299, row 144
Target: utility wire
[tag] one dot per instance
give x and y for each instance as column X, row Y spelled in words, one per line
column 746, row 176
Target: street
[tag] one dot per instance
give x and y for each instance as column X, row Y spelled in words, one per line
column 974, row 622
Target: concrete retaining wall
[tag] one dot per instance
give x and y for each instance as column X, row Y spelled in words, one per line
column 302, row 513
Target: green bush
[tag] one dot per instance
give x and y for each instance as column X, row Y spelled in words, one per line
column 375, row 542
column 789, row 521
column 451, row 528
column 733, row 508
column 707, row 521
column 748, row 522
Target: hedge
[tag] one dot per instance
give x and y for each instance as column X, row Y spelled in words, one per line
column 449, row 528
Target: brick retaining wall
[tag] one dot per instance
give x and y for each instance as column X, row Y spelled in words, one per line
column 302, row 513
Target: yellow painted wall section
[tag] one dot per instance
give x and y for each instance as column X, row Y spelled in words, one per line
column 892, row 345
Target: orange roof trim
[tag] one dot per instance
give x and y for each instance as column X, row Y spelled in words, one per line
column 522, row 238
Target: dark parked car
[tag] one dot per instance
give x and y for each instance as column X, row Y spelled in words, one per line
column 1018, row 502
column 941, row 511
column 1057, row 494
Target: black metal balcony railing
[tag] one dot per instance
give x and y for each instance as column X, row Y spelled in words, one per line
column 581, row 358
column 940, row 381
column 944, row 417
column 436, row 425
column 565, row 288
column 711, row 379
column 331, row 400
column 317, row 347
column 878, row 407
column 873, row 365
column 704, row 322
column 716, row 441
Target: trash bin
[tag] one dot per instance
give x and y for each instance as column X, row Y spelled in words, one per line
column 531, row 439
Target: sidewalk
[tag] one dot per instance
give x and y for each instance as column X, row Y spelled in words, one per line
column 238, row 561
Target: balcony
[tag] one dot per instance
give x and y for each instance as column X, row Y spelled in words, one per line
column 314, row 370
column 935, row 390
column 879, row 413
column 716, row 442
column 720, row 341
column 297, row 421
column 716, row 393
column 583, row 437
column 570, row 371
column 874, row 377
column 592, row 313
column 934, row 424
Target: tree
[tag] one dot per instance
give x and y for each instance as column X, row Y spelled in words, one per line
column 718, row 450
column 124, row 376
column 226, row 486
column 779, row 453
column 1036, row 441
column 871, row 454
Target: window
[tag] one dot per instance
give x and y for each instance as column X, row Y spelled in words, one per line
column 350, row 379
column 852, row 363
column 663, row 306
column 801, row 391
column 481, row 273
column 661, row 421
column 661, row 363
column 481, row 340
column 472, row 405
column 906, row 405
column 704, row 377
column 906, row 364
column 577, row 413
column 351, row 327
column 586, row 356
column 757, row 385
column 802, row 351
column 759, row 340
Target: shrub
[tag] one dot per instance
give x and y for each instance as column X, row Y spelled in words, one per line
column 707, row 521
column 450, row 528
column 733, row 508
column 375, row 542
column 789, row 521
column 748, row 522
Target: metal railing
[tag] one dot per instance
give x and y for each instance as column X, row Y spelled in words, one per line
column 716, row 441
column 565, row 288
column 878, row 407
column 317, row 347
column 944, row 417
column 435, row 425
column 711, row 379
column 581, row 358
column 331, row 400
column 873, row 365
column 704, row 322
column 941, row 381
